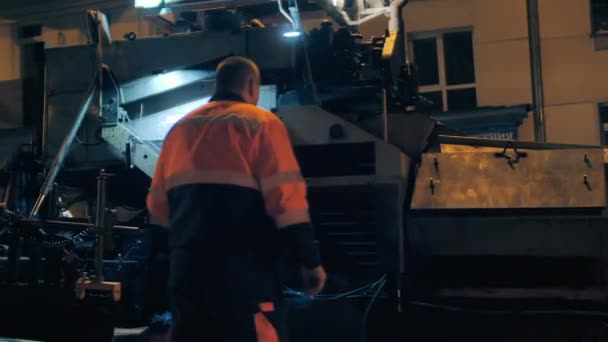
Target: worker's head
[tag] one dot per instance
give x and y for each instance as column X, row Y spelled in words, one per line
column 239, row 75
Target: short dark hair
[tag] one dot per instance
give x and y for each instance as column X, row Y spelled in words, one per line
column 233, row 73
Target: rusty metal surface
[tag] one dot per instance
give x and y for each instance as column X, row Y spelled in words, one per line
column 474, row 141
column 542, row 179
column 451, row 148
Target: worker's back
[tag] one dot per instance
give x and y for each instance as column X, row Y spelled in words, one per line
column 228, row 186
column 215, row 203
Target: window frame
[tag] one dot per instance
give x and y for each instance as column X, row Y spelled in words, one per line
column 594, row 32
column 603, row 126
column 442, row 86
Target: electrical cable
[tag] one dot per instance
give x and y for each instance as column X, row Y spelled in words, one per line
column 361, row 292
column 352, row 292
column 369, row 309
column 356, row 293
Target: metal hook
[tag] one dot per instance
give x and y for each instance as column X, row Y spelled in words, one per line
column 509, row 159
column 587, row 160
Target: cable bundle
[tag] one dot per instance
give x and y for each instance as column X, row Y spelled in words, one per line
column 372, row 290
column 361, row 292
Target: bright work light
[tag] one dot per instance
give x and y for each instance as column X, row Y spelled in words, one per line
column 291, row 34
column 147, row 3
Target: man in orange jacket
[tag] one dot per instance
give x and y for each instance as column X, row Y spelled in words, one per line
column 228, row 186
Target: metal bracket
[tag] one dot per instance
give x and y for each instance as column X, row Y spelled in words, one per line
column 512, row 161
column 586, row 182
column 110, row 98
column 141, row 154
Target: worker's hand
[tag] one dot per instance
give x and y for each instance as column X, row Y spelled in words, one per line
column 313, row 280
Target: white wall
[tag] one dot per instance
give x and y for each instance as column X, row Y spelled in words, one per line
column 502, row 62
column 574, row 72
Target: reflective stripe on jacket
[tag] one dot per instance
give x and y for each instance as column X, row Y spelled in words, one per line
column 236, row 144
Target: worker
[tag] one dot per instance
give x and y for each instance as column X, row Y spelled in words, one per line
column 230, row 190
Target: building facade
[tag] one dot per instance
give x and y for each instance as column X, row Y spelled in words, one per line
column 475, row 54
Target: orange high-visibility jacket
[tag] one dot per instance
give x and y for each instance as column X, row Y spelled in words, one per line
column 227, row 184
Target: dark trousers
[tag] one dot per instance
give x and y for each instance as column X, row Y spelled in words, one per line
column 208, row 304
column 196, row 321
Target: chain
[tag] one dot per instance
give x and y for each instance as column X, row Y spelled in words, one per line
column 64, row 242
column 12, row 220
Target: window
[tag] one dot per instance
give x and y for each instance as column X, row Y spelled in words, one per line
column 603, row 111
column 445, row 70
column 599, row 16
